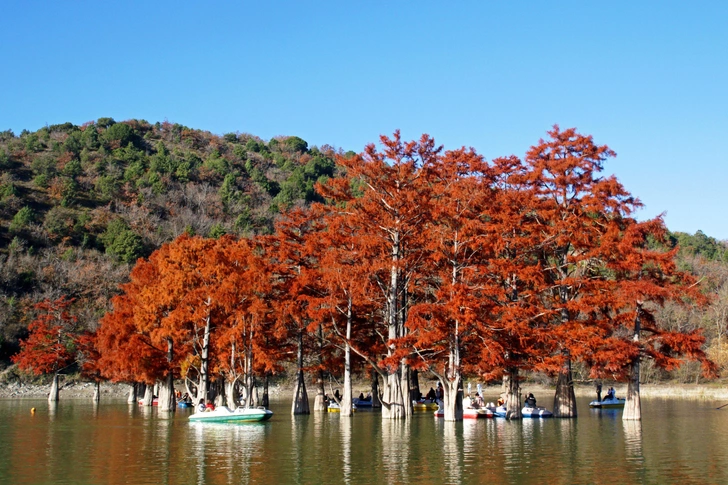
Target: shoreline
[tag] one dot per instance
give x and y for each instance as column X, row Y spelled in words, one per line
column 73, row 390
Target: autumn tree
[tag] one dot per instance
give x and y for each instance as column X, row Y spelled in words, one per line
column 577, row 207
column 386, row 194
column 644, row 278
column 51, row 343
column 444, row 322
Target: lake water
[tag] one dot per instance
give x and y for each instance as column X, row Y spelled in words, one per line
column 678, row 441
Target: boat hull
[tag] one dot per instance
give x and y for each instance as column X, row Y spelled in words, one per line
column 608, row 404
column 225, row 415
column 536, row 412
column 526, row 412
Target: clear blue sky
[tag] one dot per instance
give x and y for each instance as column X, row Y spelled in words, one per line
column 649, row 79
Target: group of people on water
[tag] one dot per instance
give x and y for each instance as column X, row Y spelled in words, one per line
column 611, row 394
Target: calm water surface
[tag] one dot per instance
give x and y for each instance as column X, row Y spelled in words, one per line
column 678, row 441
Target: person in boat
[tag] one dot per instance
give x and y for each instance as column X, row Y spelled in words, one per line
column 501, row 401
column 531, row 400
column 337, row 396
column 361, row 396
column 201, row 406
column 599, row 390
column 610, row 394
column 439, row 394
column 431, row 395
column 479, row 400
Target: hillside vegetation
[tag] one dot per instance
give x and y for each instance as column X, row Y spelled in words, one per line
column 79, row 204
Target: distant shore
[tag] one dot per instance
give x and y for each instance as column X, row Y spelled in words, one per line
column 85, row 390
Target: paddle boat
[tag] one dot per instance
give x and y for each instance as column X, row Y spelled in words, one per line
column 335, row 408
column 362, row 403
column 527, row 411
column 469, row 412
column 223, row 414
column 477, row 413
column 424, row 405
column 608, row 403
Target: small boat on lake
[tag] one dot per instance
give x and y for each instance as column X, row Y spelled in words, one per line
column 535, row 412
column 334, row 407
column 223, row 414
column 608, row 403
column 424, row 405
column 527, row 412
column 362, row 403
column 477, row 413
column 180, row 403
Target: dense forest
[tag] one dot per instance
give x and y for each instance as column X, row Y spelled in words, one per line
column 81, row 205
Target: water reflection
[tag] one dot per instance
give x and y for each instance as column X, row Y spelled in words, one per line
column 452, row 452
column 395, row 450
column 346, row 425
column 224, row 452
column 678, row 442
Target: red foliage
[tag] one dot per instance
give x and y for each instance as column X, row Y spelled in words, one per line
column 51, row 345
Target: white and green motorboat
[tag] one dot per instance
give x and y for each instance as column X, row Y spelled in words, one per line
column 223, row 414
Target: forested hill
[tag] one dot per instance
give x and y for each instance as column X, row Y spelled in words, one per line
column 79, row 204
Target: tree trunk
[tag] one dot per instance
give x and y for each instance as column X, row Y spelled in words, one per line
column 346, row 403
column 54, row 393
column 97, row 392
column 232, row 396
column 396, row 402
column 453, row 386
column 513, row 394
column 265, row 402
column 376, row 403
column 132, row 399
column 255, row 399
column 300, row 397
column 203, row 387
column 167, row 402
column 148, row 398
column 565, row 399
column 414, row 385
column 319, row 403
column 452, row 399
column 633, row 405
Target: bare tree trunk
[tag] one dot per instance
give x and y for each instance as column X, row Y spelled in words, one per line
column 633, row 405
column 376, row 403
column 414, row 385
column 452, row 399
column 319, row 403
column 565, row 399
column 265, row 402
column 132, row 394
column 396, row 402
column 167, row 402
column 513, row 394
column 300, row 396
column 54, row 392
column 148, row 398
column 346, row 403
column 255, row 399
column 97, row 392
column 232, row 396
column 203, row 387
